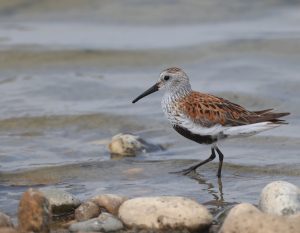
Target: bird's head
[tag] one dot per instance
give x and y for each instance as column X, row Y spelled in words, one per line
column 171, row 79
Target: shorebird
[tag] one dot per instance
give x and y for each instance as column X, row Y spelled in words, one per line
column 205, row 118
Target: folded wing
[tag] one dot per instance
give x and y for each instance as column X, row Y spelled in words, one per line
column 209, row 110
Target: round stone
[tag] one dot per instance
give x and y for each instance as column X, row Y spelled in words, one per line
column 247, row 218
column 126, row 145
column 87, row 211
column 280, row 198
column 167, row 212
column 110, row 202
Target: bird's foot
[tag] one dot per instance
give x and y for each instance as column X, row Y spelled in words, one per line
column 185, row 171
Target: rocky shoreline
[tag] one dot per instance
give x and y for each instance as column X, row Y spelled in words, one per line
column 53, row 210
column 48, row 210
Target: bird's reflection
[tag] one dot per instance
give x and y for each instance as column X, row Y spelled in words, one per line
column 216, row 193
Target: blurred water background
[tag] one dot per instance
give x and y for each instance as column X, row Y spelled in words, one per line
column 69, row 70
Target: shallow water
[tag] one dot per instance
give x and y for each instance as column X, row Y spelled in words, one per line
column 69, row 74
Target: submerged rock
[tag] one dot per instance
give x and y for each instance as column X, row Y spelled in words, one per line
column 61, row 202
column 130, row 145
column 34, row 212
column 87, row 211
column 281, row 198
column 5, row 220
column 245, row 218
column 109, row 202
column 133, row 171
column 105, row 223
column 162, row 213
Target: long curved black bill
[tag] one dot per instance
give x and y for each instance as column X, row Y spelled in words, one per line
column 152, row 89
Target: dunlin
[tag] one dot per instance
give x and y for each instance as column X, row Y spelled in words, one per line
column 205, row 118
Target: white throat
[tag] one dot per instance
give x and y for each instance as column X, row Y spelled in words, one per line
column 169, row 102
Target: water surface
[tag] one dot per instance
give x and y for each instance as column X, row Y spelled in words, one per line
column 69, row 74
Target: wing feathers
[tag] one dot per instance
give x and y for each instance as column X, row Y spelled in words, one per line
column 208, row 110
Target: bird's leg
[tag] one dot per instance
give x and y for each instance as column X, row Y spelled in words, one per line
column 193, row 168
column 221, row 156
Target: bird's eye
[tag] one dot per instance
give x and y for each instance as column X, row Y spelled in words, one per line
column 167, row 77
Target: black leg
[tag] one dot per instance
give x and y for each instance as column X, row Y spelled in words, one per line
column 221, row 156
column 193, row 168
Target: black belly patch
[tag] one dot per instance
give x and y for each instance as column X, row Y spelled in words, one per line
column 202, row 139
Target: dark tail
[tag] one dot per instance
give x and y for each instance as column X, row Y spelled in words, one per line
column 267, row 115
column 263, row 111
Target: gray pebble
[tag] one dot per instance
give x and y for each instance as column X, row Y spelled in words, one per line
column 61, row 202
column 105, row 223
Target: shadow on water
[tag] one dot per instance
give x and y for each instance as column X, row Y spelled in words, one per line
column 215, row 192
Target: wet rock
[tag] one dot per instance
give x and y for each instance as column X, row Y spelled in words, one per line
column 5, row 220
column 105, row 223
column 34, row 212
column 8, row 230
column 87, row 211
column 245, row 218
column 131, row 172
column 67, row 224
column 281, row 198
column 109, row 202
column 61, row 202
column 161, row 213
column 130, row 145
